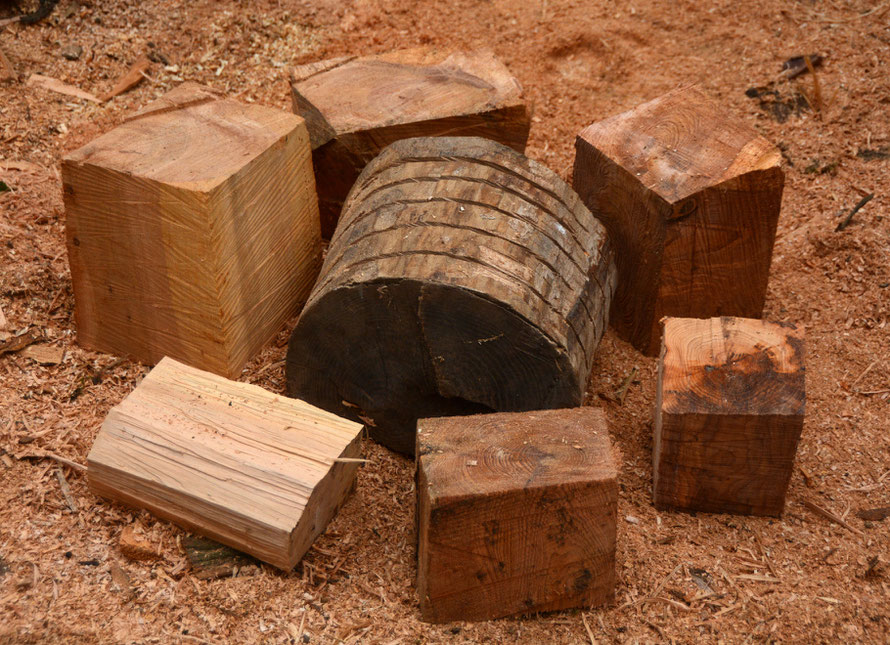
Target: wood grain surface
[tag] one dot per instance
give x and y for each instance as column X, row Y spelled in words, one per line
column 192, row 230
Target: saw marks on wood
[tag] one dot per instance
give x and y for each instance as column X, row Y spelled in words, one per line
column 355, row 107
column 192, row 230
column 228, row 460
column 516, row 513
column 463, row 278
column 691, row 200
column 729, row 413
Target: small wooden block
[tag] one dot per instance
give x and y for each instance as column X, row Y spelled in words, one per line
column 228, row 460
column 355, row 107
column 192, row 230
column 728, row 416
column 516, row 513
column 691, row 201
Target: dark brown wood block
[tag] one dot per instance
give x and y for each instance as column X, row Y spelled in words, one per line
column 691, row 200
column 516, row 513
column 463, row 278
column 729, row 413
column 356, row 106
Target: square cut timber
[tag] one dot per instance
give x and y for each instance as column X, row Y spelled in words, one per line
column 691, row 201
column 356, row 106
column 259, row 472
column 729, row 413
column 192, row 230
column 516, row 513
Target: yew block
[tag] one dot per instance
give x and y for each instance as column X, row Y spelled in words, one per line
column 356, row 106
column 691, row 201
column 473, row 280
column 192, row 230
column 516, row 513
column 259, row 472
column 729, row 413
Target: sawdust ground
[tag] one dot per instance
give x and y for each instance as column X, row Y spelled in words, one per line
column 61, row 571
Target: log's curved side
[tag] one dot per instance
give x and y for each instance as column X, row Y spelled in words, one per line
column 462, row 278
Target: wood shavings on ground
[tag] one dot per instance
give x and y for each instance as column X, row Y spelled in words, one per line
column 579, row 62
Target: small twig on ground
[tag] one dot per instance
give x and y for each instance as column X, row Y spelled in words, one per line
column 846, row 221
column 658, row 630
column 66, row 490
column 830, row 516
column 865, row 371
column 622, row 391
column 51, row 455
column 589, row 632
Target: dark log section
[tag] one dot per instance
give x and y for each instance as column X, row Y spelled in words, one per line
column 355, row 107
column 463, row 277
column 729, row 413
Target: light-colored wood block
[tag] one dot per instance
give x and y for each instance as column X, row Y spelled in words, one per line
column 475, row 281
column 691, row 201
column 192, row 230
column 729, row 413
column 516, row 513
column 228, row 460
column 356, row 106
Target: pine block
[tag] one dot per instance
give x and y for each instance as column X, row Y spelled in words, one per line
column 228, row 460
column 192, row 230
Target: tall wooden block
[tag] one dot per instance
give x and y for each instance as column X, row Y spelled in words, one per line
column 516, row 513
column 728, row 416
column 192, row 230
column 355, row 107
column 691, row 200
column 474, row 279
column 259, row 472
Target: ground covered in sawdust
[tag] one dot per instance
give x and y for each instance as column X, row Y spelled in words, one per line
column 682, row 577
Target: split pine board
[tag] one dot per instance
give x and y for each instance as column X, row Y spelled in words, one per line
column 259, row 472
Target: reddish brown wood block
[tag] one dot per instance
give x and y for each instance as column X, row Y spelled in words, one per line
column 356, row 106
column 729, row 413
column 516, row 513
column 691, row 200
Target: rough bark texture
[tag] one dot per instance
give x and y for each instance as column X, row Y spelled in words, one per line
column 355, row 107
column 729, row 413
column 691, row 201
column 516, row 513
column 192, row 230
column 463, row 278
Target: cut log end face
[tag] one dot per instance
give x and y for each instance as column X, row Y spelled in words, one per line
column 729, row 413
column 463, row 278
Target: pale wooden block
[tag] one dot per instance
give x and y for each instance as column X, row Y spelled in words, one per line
column 192, row 230
column 228, row 460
